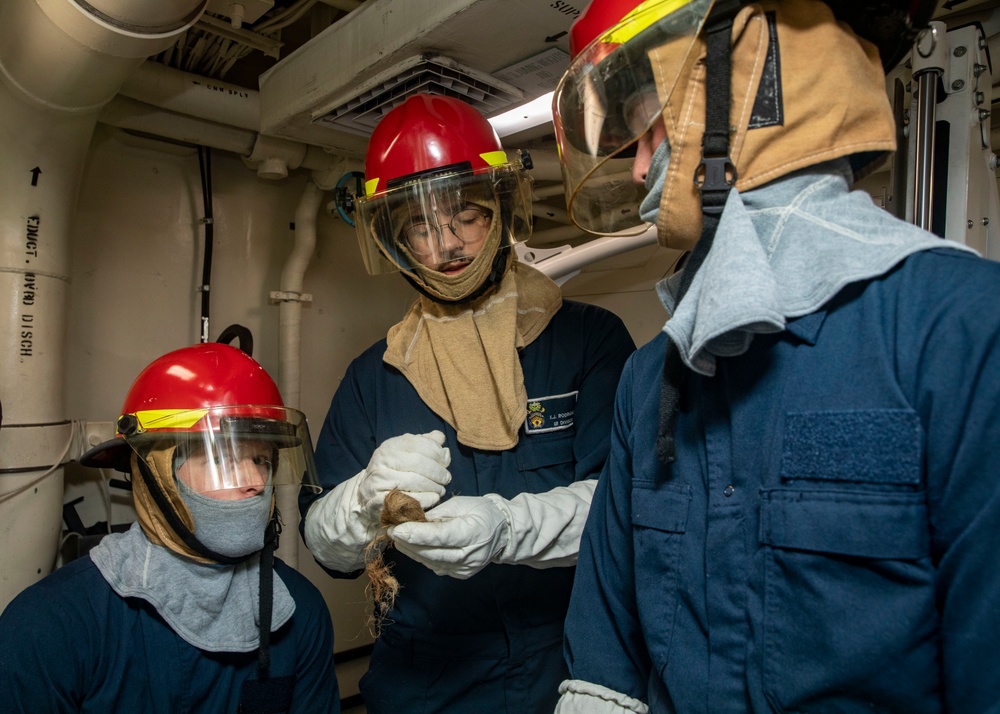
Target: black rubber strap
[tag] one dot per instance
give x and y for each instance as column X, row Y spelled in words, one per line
column 267, row 594
column 716, row 174
column 715, row 177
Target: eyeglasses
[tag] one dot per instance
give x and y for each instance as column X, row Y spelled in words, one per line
column 470, row 225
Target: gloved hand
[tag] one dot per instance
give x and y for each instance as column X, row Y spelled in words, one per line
column 415, row 464
column 580, row 697
column 339, row 525
column 460, row 537
column 466, row 533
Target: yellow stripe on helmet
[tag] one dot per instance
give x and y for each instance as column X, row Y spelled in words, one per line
column 169, row 418
column 494, row 158
column 641, row 18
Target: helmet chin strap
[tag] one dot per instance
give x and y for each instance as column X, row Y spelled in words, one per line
column 715, row 178
column 267, row 593
column 266, row 569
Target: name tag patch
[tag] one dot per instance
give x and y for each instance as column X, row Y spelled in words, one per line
column 552, row 413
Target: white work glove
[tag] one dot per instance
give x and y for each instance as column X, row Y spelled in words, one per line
column 340, row 524
column 466, row 533
column 580, row 697
column 461, row 538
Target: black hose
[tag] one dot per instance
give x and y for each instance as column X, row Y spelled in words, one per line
column 205, row 165
column 241, row 332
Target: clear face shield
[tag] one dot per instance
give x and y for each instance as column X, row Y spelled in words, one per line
column 229, row 453
column 610, row 96
column 442, row 222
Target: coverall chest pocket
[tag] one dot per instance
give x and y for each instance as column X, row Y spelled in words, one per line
column 848, row 578
column 659, row 521
column 538, row 451
column 545, row 461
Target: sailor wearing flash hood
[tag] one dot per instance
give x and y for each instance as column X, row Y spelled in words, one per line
column 187, row 610
column 488, row 403
column 800, row 506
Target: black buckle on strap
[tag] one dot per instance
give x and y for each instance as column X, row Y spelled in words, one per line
column 714, row 175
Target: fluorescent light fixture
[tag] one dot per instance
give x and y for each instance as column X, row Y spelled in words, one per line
column 527, row 116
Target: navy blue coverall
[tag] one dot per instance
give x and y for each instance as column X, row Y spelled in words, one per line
column 69, row 643
column 827, row 539
column 492, row 643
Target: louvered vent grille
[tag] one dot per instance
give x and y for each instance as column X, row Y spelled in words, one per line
column 433, row 74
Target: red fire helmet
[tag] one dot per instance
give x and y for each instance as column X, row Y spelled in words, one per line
column 205, row 387
column 428, row 133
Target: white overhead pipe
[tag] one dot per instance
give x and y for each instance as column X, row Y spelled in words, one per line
column 133, row 115
column 290, row 298
column 227, row 115
column 564, row 262
column 194, row 95
column 272, row 157
column 60, row 62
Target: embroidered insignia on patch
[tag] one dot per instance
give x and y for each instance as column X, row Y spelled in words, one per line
column 552, row 413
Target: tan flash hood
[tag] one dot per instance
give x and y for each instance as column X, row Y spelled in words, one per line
column 805, row 88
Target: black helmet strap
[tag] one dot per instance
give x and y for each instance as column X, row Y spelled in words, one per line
column 714, row 177
column 267, row 694
column 267, row 594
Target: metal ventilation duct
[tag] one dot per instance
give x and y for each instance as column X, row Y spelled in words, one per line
column 496, row 54
column 434, row 74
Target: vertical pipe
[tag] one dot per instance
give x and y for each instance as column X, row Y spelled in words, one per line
column 923, row 177
column 290, row 329
column 929, row 59
column 37, row 187
column 58, row 65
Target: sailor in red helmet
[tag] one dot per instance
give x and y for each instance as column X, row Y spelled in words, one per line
column 800, row 508
column 187, row 610
column 489, row 403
